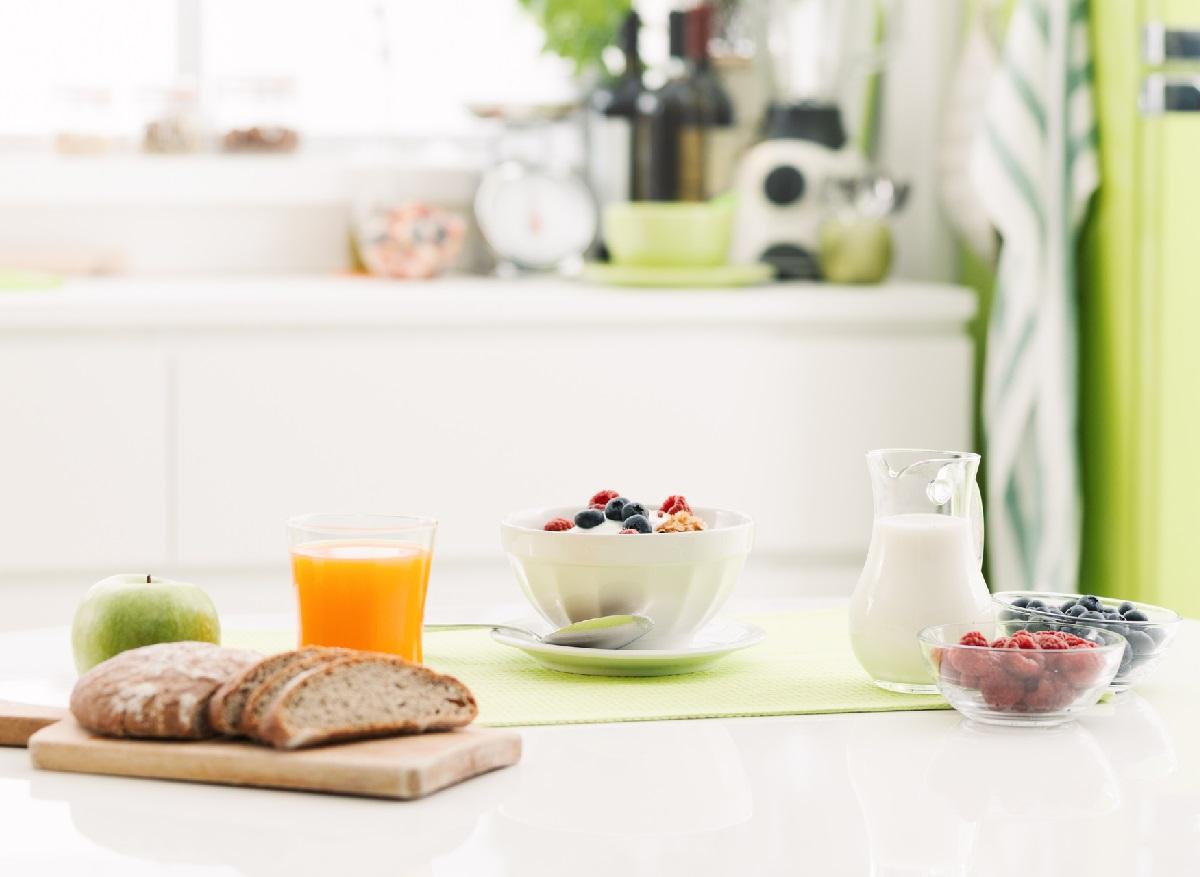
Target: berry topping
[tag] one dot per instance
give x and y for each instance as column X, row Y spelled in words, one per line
column 613, row 510
column 674, row 503
column 633, row 508
column 555, row 524
column 974, row 638
column 589, row 518
column 1002, row 692
column 627, row 531
column 639, row 524
column 601, row 497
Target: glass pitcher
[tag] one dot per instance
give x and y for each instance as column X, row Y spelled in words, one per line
column 924, row 565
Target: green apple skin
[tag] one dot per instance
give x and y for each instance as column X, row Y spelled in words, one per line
column 125, row 611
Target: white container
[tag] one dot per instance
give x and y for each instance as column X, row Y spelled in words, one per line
column 924, row 565
column 679, row 580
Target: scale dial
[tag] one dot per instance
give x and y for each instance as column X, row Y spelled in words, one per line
column 535, row 219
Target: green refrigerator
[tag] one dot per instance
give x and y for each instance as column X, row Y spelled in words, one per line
column 1140, row 308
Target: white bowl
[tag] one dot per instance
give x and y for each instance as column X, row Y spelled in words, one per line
column 679, row 580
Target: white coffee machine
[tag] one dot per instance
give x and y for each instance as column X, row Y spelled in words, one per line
column 781, row 182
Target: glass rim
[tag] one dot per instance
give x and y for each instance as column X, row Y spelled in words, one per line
column 360, row 523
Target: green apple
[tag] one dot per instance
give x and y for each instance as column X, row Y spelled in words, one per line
column 126, row 611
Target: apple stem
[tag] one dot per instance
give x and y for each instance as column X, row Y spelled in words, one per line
column 147, row 578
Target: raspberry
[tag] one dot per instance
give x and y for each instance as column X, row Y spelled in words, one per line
column 971, row 662
column 628, row 530
column 1047, row 639
column 974, row 638
column 675, row 503
column 1080, row 666
column 556, row 524
column 1077, row 642
column 600, row 499
column 1001, row 642
column 1021, row 666
column 1002, row 692
column 1047, row 696
column 1022, row 639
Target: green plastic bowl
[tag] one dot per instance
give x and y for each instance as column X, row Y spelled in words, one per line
column 669, row 234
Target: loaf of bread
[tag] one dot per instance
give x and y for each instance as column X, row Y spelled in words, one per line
column 365, row 695
column 161, row 690
column 268, row 689
column 229, row 701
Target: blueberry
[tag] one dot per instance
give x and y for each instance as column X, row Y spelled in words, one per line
column 640, row 523
column 1136, row 615
column 615, row 506
column 1093, row 616
column 1009, row 615
column 1140, row 642
column 1036, row 604
column 1090, row 602
column 1076, row 610
column 1157, row 634
column 1125, row 608
column 1112, row 615
column 1066, row 607
column 1020, row 602
column 634, row 508
column 589, row 518
column 1126, row 659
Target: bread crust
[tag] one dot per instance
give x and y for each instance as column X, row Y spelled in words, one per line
column 268, row 689
column 275, row 730
column 160, row 691
column 227, row 703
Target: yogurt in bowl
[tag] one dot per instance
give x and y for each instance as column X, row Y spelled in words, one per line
column 680, row 580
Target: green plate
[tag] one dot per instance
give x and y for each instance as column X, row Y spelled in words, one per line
column 634, row 275
column 716, row 640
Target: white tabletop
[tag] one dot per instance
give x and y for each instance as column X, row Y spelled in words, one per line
column 1117, row 792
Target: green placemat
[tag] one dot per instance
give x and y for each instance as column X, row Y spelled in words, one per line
column 804, row 666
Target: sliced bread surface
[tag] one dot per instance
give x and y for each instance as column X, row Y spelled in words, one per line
column 264, row 694
column 228, row 702
column 159, row 690
column 366, row 695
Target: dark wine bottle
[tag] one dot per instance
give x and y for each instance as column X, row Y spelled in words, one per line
column 611, row 117
column 670, row 129
column 720, row 143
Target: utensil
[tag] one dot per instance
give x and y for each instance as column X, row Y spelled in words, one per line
column 606, row 632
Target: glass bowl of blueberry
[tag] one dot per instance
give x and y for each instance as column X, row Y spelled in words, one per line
column 1147, row 629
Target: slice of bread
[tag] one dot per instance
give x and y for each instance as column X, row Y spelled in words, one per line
column 225, row 708
column 265, row 692
column 156, row 691
column 366, row 695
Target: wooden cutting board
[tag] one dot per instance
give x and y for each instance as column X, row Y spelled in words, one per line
column 18, row 721
column 390, row 767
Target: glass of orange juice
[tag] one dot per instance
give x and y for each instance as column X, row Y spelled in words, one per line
column 361, row 580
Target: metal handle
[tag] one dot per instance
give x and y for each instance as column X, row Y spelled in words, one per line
column 1162, row 93
column 1161, row 44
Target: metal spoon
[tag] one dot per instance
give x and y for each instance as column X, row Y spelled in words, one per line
column 605, row 632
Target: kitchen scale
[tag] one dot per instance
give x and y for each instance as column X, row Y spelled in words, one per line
column 534, row 215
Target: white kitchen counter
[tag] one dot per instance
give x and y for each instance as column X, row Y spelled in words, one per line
column 1116, row 793
column 290, row 301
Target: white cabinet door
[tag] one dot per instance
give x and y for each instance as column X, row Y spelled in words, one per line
column 83, row 455
column 468, row 424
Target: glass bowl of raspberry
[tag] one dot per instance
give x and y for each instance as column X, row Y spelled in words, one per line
column 1148, row 629
column 1004, row 674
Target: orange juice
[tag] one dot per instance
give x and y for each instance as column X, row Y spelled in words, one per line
column 362, row 594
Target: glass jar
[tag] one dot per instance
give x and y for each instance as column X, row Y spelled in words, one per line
column 257, row 114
